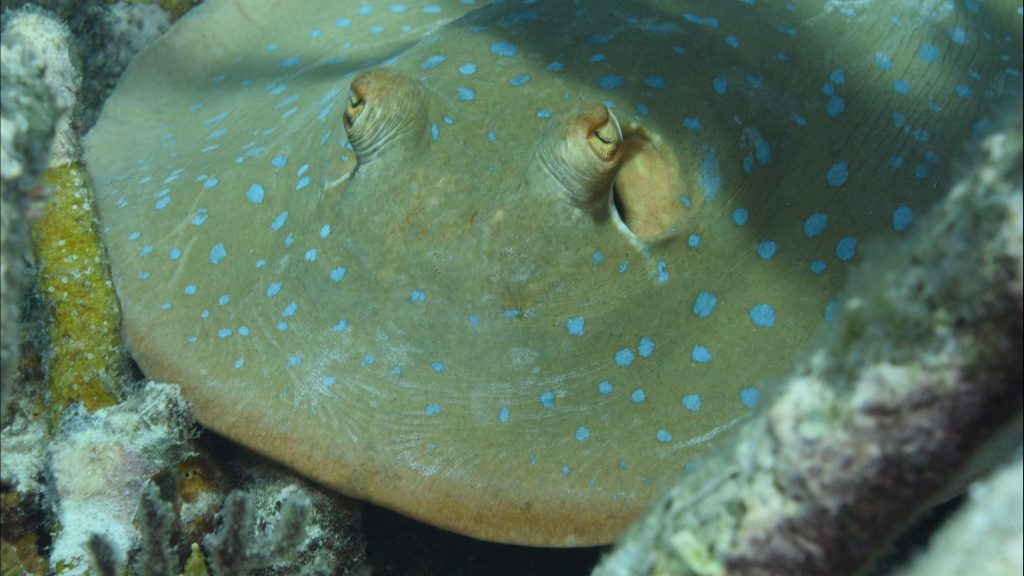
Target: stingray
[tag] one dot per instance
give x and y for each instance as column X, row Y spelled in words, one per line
column 511, row 269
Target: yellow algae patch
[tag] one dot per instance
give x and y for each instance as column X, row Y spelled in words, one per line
column 74, row 277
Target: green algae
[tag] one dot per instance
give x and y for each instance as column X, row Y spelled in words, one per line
column 85, row 359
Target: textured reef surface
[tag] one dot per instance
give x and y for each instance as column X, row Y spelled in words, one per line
column 517, row 281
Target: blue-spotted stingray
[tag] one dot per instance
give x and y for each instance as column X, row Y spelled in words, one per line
column 511, row 268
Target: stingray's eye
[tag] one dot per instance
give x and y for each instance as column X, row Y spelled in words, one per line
column 356, row 104
column 606, row 137
column 583, row 152
column 385, row 114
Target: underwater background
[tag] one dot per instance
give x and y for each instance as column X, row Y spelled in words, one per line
column 627, row 258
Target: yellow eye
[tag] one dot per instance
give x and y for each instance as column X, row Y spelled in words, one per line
column 353, row 110
column 606, row 138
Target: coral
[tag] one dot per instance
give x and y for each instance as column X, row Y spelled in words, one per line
column 41, row 32
column 921, row 370
column 100, row 464
column 85, row 360
column 985, row 538
column 28, row 114
column 328, row 533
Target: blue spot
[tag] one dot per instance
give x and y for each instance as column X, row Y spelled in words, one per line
column 294, row 360
column 504, row 49
column 340, row 326
column 243, row 330
column 397, row 8
column 290, row 309
column 704, row 304
column 599, row 39
column 846, row 248
column 701, row 20
column 700, row 354
column 365, row 10
column 611, row 82
column 545, row 113
column 963, row 91
column 623, row 266
column 547, row 399
column 273, row 289
column 239, row 363
column 691, row 124
column 902, row 216
column 555, row 67
column 624, row 357
column 432, row 9
column 835, row 106
column 303, row 182
column 838, row 76
column 898, row 119
column 255, row 194
column 883, row 60
column 519, row 80
column 817, row 266
column 582, row 433
column 679, row 50
column 656, row 82
column 279, row 221
column 342, row 22
column 218, row 253
column 290, row 62
column 692, row 402
column 433, row 409
column 838, row 174
column 367, row 360
column 224, row 332
column 575, row 326
column 638, row 396
column 901, row 86
column 895, row 162
column 224, row 299
column 732, row 41
column 719, row 85
column 162, row 203
column 693, row 241
column 418, row 296
column 958, row 35
column 815, row 224
column 146, row 250
column 762, row 315
column 503, row 414
column 492, row 135
column 338, row 273
column 512, row 313
column 465, row 94
column 432, row 62
column 143, row 276
column 437, row 366
column 325, row 231
column 831, row 310
column 929, row 53
column 740, row 216
column 709, row 180
column 279, row 161
column 766, row 249
column 663, row 436
column 311, row 255
column 643, row 109
column 921, row 135
column 645, row 347
column 564, row 470
column 662, row 272
column 199, row 220
column 210, row 183
column 597, row 257
column 604, row 387
column 474, row 321
column 750, row 396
